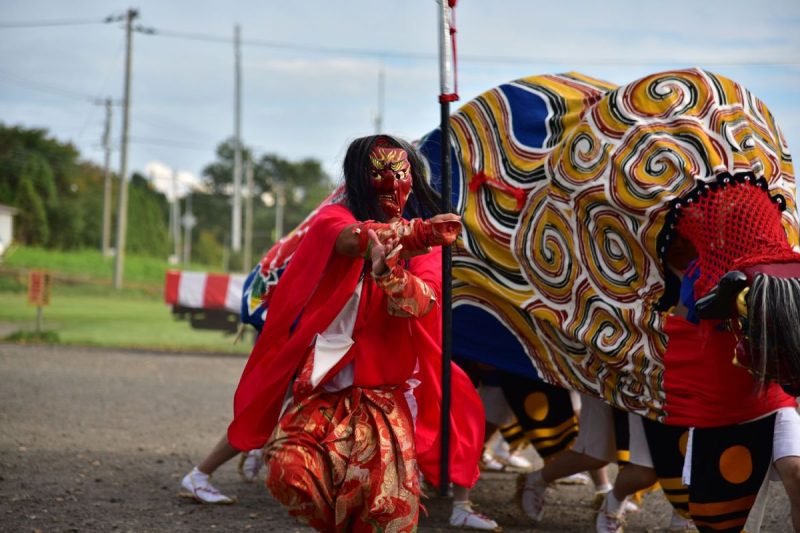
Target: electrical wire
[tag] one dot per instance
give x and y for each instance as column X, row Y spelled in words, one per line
column 47, row 88
column 169, row 143
column 49, row 23
column 395, row 54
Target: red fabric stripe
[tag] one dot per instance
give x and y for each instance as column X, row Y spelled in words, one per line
column 702, row 386
column 171, row 286
column 216, row 290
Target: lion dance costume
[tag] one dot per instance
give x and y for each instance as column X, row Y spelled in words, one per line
column 580, row 201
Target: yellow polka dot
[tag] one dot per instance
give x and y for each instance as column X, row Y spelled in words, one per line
column 683, row 442
column 736, row 464
column 536, row 406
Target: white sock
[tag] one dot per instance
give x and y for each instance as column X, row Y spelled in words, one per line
column 612, row 503
column 602, row 489
column 196, row 472
column 462, row 504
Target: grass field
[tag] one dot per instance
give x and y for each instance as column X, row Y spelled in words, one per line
column 91, row 266
column 96, row 320
column 85, row 310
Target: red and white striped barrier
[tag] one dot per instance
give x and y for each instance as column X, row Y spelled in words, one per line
column 200, row 290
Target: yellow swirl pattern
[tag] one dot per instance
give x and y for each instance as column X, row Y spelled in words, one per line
column 609, row 185
column 575, row 273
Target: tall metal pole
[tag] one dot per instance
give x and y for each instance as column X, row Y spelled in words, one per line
column 248, row 217
column 381, row 94
column 236, row 229
column 188, row 224
column 122, row 212
column 105, row 242
column 175, row 215
column 447, row 310
column 280, row 203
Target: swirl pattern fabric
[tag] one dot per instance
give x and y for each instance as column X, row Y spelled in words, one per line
column 575, row 276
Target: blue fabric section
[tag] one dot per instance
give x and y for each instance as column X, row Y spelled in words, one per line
column 687, row 291
column 256, row 319
column 431, row 148
column 529, row 115
column 479, row 336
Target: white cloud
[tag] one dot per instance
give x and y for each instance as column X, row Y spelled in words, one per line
column 302, row 104
column 171, row 182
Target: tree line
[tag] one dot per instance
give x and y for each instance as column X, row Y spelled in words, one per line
column 59, row 197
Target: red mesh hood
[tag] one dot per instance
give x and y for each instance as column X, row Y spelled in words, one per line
column 733, row 224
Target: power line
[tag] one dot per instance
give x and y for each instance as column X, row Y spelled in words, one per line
column 286, row 46
column 169, row 143
column 63, row 22
column 396, row 54
column 53, row 89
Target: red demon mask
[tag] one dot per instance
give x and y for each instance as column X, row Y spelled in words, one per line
column 390, row 172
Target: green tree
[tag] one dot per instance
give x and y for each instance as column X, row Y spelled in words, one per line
column 44, row 175
column 304, row 183
column 148, row 233
column 208, row 250
column 32, row 226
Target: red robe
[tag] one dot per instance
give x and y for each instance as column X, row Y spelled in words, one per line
column 703, row 387
column 312, row 291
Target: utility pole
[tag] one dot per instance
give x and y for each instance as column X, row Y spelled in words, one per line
column 174, row 218
column 105, row 243
column 122, row 212
column 280, row 203
column 248, row 217
column 188, row 220
column 236, row 229
column 381, row 92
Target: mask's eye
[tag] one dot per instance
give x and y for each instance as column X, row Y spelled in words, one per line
column 375, row 174
column 399, row 175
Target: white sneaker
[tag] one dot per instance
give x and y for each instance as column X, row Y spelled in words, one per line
column 600, row 496
column 488, row 462
column 199, row 488
column 515, row 460
column 607, row 522
column 465, row 517
column 575, row 479
column 531, row 497
column 629, row 506
column 250, row 464
column 679, row 524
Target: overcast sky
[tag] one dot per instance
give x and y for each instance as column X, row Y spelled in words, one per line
column 310, row 78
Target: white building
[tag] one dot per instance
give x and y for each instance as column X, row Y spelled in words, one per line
column 6, row 226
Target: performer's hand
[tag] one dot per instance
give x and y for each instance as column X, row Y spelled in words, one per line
column 384, row 255
column 446, row 228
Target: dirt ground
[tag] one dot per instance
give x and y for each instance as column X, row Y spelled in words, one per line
column 98, row 440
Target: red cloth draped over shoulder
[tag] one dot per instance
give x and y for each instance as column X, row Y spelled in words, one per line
column 317, row 283
column 703, row 387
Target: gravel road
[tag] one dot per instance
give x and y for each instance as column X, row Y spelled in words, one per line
column 97, row 440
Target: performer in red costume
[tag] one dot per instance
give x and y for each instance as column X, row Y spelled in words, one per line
column 353, row 322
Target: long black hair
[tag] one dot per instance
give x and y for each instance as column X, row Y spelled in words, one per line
column 360, row 194
column 773, row 315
